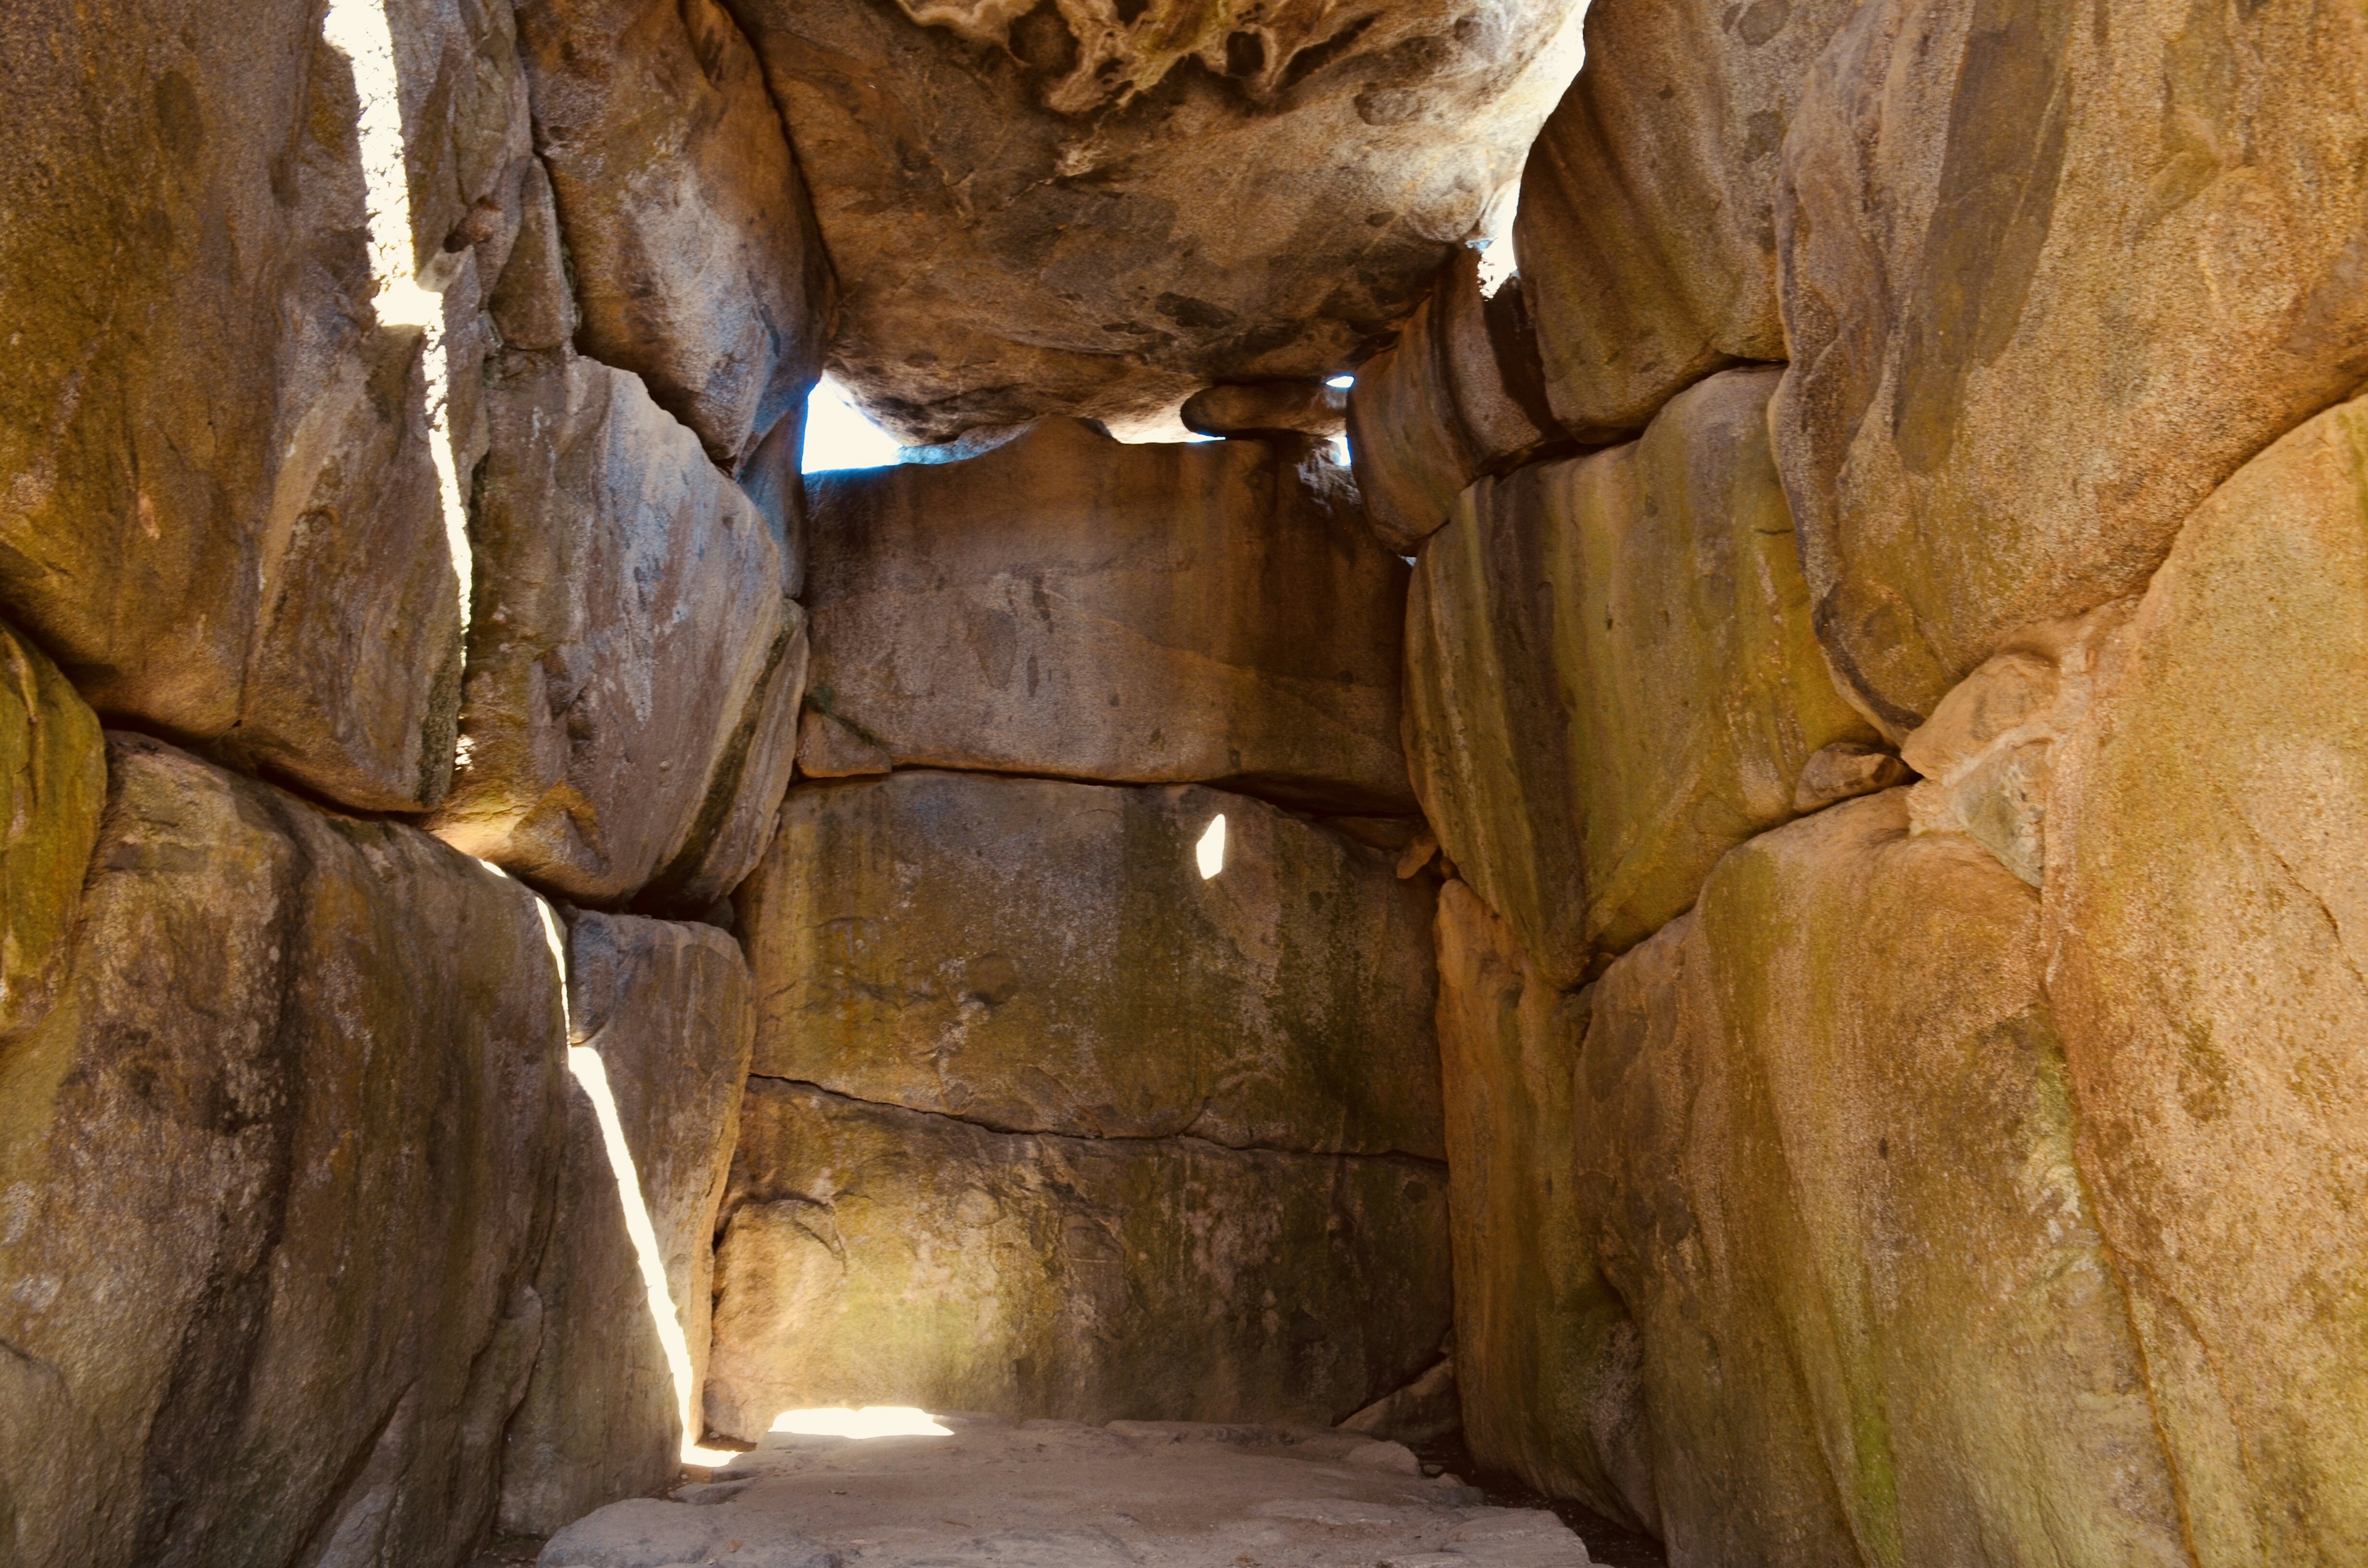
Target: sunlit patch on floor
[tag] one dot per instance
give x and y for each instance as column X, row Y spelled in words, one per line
column 871, row 1421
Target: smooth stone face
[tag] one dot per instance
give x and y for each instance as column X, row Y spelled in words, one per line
column 1647, row 231
column 1826, row 1136
column 1254, row 408
column 1070, row 211
column 629, row 647
column 876, row 1255
column 1588, row 752
column 1040, row 956
column 223, row 516
column 695, row 256
column 1064, row 604
column 277, row 1167
column 1548, row 1359
column 53, row 786
column 2043, row 295
column 2207, row 828
column 666, row 1008
column 1458, row 396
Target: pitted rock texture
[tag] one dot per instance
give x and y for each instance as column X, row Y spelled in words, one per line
column 2051, row 276
column 1066, row 604
column 876, row 1255
column 1826, row 1135
column 223, row 516
column 1587, row 753
column 1046, row 957
column 1070, row 208
column 1063, row 1494
column 696, row 257
column 634, row 665
column 52, row 786
column 2206, row 834
column 1458, row 396
column 279, row 1167
column 1647, row 231
column 1547, row 1355
column 665, row 1010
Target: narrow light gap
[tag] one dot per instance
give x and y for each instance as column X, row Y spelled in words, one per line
column 1211, row 851
column 840, row 436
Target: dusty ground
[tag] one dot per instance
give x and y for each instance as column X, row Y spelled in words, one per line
column 1060, row 1494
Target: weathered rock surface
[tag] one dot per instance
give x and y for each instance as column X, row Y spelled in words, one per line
column 872, row 1255
column 1459, row 394
column 1827, row 1135
column 634, row 668
column 1588, row 752
column 53, row 786
column 1845, row 770
column 1647, row 225
column 1548, row 1360
column 1260, row 408
column 1426, row 1411
column 1045, row 956
column 1066, row 604
column 224, row 517
column 1097, row 209
column 697, row 259
column 2206, row 834
column 1061, row 1495
column 277, row 1167
column 666, row 1012
column 2046, row 286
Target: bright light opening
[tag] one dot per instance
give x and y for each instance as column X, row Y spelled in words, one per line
column 871, row 1421
column 1343, row 382
column 358, row 30
column 839, row 436
column 1211, row 850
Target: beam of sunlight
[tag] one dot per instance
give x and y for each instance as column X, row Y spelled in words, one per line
column 358, row 30
column 1211, row 851
column 871, row 1421
column 591, row 1076
column 839, row 436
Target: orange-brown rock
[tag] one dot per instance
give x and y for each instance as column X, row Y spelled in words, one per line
column 1097, row 209
column 1266, row 408
column 1459, row 394
column 695, row 256
column 2044, row 290
column 1066, row 604
column 1646, row 233
column 1048, row 957
column 2208, row 931
column 1826, row 1139
column 659, row 1022
column 224, row 517
column 1612, row 678
column 53, row 784
column 277, row 1167
column 1547, row 1358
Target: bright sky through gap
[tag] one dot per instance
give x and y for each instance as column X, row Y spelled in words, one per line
column 839, row 436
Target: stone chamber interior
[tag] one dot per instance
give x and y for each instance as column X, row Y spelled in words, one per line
column 1726, row 901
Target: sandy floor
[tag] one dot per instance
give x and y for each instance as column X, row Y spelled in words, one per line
column 1059, row 1494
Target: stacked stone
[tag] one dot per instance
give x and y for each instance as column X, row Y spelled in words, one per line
column 314, row 1247
column 1851, row 1166
column 1046, row 1119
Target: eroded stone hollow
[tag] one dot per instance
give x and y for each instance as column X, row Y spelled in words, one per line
column 1701, row 873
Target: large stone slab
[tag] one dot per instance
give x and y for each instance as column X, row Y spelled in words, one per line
column 277, row 1169
column 1547, row 1358
column 877, row 1256
column 1069, row 605
column 1046, row 957
column 634, row 667
column 2044, row 291
column 1099, row 209
column 1647, row 234
column 1826, row 1139
column 659, row 1024
column 1588, row 752
column 2207, row 827
column 695, row 256
column 1459, row 394
column 53, row 786
column 233, row 493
